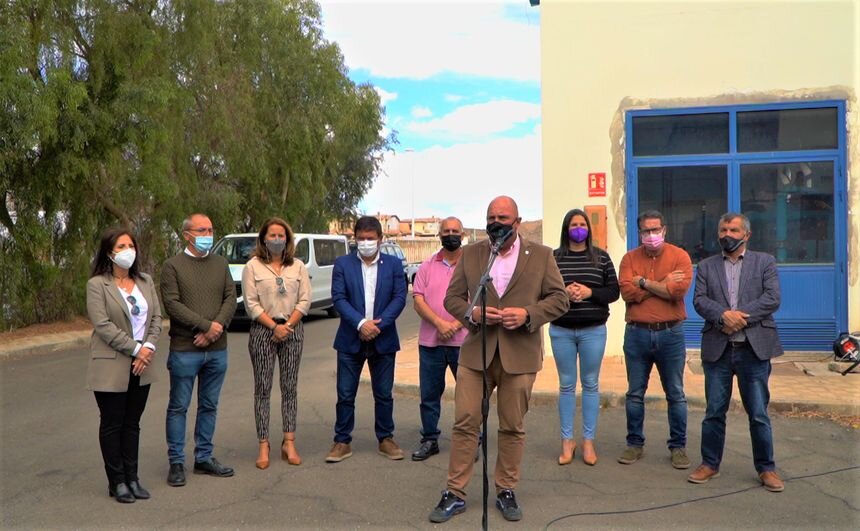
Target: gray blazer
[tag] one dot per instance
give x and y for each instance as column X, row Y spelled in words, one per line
column 758, row 295
column 112, row 342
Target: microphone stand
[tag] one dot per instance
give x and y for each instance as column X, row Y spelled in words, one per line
column 480, row 297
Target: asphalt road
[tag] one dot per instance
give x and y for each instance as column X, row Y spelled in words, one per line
column 52, row 475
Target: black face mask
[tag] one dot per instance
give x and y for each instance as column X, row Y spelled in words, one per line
column 496, row 230
column 451, row 242
column 730, row 244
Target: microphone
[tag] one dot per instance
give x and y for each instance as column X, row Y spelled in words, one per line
column 500, row 241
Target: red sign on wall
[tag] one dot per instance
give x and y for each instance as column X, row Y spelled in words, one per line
column 596, row 185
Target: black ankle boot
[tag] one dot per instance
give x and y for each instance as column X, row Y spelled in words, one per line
column 121, row 492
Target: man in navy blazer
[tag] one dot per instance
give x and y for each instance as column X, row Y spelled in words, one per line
column 737, row 293
column 368, row 290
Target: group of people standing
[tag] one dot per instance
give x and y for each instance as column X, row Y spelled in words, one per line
column 569, row 288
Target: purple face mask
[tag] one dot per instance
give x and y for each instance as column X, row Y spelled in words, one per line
column 578, row 234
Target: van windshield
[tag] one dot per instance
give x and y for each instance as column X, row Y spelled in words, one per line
column 237, row 250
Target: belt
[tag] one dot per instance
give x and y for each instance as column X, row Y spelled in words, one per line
column 739, row 344
column 654, row 326
column 279, row 320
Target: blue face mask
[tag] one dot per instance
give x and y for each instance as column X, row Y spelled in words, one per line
column 203, row 243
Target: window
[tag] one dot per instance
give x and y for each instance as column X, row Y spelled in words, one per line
column 303, row 251
column 788, row 130
column 790, row 207
column 237, row 250
column 680, row 134
column 692, row 199
column 326, row 251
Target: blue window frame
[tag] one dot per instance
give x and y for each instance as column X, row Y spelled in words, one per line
column 807, row 320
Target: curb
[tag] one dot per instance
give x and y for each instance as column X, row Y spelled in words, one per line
column 47, row 348
column 612, row 399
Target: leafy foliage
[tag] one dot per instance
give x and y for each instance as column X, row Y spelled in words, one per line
column 141, row 112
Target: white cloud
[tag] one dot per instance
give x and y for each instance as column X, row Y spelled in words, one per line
column 472, row 122
column 460, row 180
column 454, row 98
column 418, row 39
column 421, row 112
column 385, row 96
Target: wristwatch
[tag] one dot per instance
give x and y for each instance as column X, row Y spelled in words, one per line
column 642, row 282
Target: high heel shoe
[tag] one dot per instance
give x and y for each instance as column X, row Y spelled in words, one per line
column 289, row 452
column 568, row 450
column 589, row 456
column 263, row 464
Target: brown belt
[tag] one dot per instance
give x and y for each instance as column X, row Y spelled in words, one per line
column 656, row 327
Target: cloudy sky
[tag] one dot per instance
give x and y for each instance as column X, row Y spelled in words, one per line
column 460, row 82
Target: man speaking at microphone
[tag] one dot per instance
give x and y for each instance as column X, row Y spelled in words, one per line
column 526, row 292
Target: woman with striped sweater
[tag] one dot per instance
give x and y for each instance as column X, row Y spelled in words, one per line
column 592, row 285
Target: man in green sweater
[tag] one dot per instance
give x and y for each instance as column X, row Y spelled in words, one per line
column 200, row 298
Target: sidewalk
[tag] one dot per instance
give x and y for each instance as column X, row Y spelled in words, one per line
column 795, row 386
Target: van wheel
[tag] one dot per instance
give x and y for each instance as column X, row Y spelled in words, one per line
column 332, row 312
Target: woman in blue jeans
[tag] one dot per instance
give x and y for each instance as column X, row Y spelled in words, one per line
column 592, row 285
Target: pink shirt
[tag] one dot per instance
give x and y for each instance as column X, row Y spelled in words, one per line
column 503, row 267
column 431, row 282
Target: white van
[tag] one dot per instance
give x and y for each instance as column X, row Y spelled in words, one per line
column 317, row 251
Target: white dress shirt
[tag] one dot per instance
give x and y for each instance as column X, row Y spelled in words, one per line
column 369, row 273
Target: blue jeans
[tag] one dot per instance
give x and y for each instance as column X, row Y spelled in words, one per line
column 433, row 362
column 643, row 349
column 589, row 344
column 210, row 367
column 349, row 368
column 753, row 375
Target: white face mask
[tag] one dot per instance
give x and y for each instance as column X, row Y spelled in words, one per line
column 367, row 248
column 125, row 258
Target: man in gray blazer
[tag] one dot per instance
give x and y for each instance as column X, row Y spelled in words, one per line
column 737, row 293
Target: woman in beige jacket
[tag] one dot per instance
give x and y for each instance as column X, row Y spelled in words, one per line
column 126, row 316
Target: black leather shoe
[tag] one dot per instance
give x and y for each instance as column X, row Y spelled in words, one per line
column 426, row 449
column 176, row 476
column 121, row 492
column 213, row 468
column 507, row 503
column 449, row 505
column 137, row 489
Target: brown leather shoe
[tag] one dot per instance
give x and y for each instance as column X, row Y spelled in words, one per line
column 289, row 452
column 389, row 449
column 771, row 481
column 263, row 459
column 339, row 451
column 702, row 474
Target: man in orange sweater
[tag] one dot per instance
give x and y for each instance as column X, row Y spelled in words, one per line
column 654, row 278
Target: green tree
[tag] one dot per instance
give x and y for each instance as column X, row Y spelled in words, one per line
column 139, row 112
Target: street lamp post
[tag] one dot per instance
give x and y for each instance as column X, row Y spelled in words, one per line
column 412, row 174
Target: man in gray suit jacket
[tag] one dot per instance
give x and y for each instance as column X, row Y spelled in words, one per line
column 737, row 293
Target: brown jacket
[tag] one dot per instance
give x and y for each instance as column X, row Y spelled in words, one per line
column 112, row 343
column 536, row 285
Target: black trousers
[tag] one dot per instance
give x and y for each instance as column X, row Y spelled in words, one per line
column 119, row 429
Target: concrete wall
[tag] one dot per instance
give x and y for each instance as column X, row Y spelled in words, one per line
column 600, row 59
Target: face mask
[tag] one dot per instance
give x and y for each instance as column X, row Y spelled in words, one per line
column 496, row 230
column 276, row 246
column 367, row 248
column 653, row 242
column 578, row 234
column 203, row 243
column 451, row 242
column 730, row 244
column 124, row 258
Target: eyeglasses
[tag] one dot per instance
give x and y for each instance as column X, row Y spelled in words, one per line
column 657, row 230
column 135, row 309
column 280, row 282
column 202, row 230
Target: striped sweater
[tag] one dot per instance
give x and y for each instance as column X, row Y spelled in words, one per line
column 576, row 266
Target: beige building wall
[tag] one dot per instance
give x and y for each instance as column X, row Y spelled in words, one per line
column 602, row 58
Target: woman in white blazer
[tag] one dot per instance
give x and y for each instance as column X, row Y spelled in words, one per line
column 123, row 306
